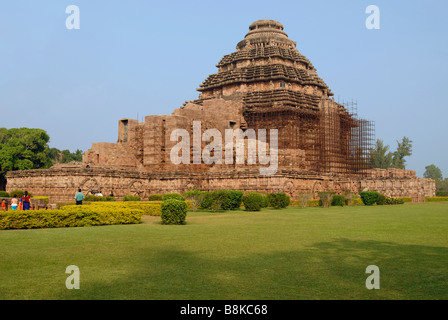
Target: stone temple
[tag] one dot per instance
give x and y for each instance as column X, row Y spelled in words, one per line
column 265, row 84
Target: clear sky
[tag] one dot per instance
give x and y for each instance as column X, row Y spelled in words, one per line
column 135, row 58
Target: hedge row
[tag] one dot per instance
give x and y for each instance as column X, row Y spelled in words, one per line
column 435, row 199
column 150, row 208
column 69, row 216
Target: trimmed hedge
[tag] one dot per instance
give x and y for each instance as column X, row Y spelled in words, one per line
column 381, row 200
column 253, row 201
column 150, row 208
column 390, row 201
column 278, row 200
column 369, row 198
column 176, row 196
column 41, row 197
column 4, row 194
column 405, row 199
column 92, row 197
column 69, row 216
column 221, row 200
column 173, row 211
column 435, row 199
column 131, row 198
column 338, row 200
column 155, row 197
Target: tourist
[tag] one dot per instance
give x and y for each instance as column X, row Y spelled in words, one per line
column 79, row 197
column 14, row 202
column 99, row 194
column 3, row 208
column 25, row 201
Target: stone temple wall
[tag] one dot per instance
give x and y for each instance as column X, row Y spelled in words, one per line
column 60, row 183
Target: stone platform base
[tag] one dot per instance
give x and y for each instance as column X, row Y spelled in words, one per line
column 60, row 183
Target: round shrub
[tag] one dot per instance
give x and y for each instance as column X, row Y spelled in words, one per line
column 338, row 200
column 131, row 198
column 207, row 200
column 369, row 198
column 176, row 196
column 173, row 211
column 253, row 201
column 381, row 200
column 265, row 202
column 233, row 202
column 155, row 197
column 278, row 200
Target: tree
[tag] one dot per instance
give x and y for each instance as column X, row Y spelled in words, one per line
column 433, row 172
column 404, row 149
column 26, row 148
column 68, row 156
column 380, row 157
column 22, row 149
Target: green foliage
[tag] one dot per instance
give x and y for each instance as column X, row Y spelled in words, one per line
column 173, row 195
column 220, row 200
column 381, row 200
column 4, row 194
column 207, row 200
column 131, row 198
column 42, row 197
column 435, row 199
column 174, row 211
column 338, row 200
column 391, row 201
column 369, row 198
column 265, row 202
column 441, row 193
column 195, row 197
column 433, row 172
column 404, row 149
column 253, row 201
column 19, row 193
column 95, row 198
column 278, row 200
column 325, row 198
column 150, row 208
column 69, row 216
column 155, row 197
column 233, row 201
column 380, row 157
column 22, row 149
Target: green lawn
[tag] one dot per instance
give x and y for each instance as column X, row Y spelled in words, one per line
column 295, row 253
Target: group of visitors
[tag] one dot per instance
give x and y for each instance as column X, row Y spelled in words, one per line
column 79, row 196
column 17, row 204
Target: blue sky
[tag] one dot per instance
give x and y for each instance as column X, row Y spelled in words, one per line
column 135, row 58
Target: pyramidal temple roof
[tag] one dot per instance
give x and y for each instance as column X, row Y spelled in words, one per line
column 265, row 54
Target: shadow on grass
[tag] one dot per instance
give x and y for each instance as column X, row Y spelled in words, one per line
column 325, row 270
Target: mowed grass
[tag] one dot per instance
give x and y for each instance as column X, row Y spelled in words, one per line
column 289, row 254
